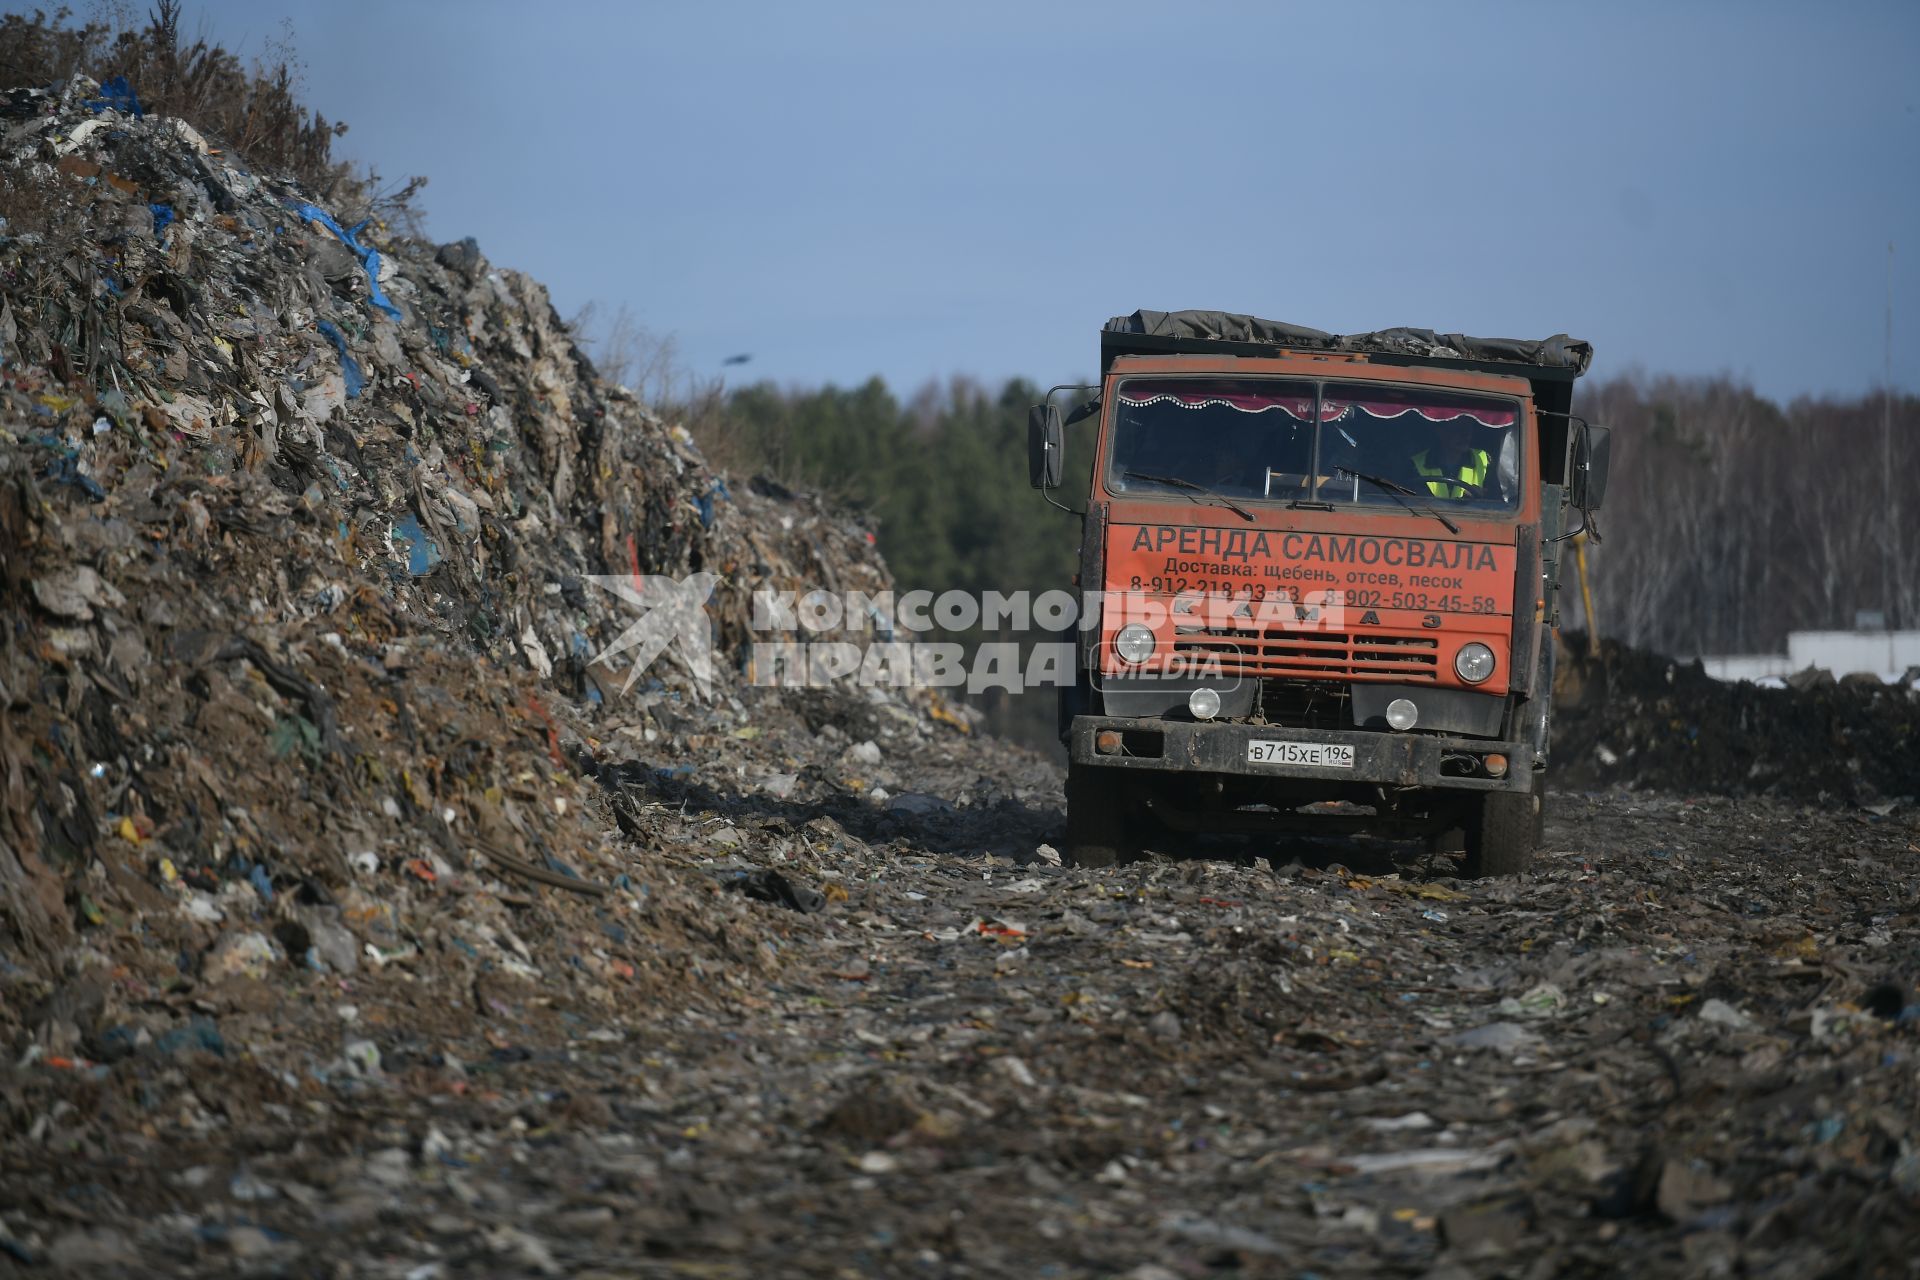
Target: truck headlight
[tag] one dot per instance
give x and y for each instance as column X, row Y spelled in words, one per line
column 1474, row 662
column 1134, row 643
column 1203, row 704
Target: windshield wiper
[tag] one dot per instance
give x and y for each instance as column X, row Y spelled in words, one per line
column 1395, row 488
column 1189, row 485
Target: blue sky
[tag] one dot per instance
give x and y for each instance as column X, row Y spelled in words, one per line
column 920, row 191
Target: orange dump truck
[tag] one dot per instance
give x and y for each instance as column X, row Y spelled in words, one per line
column 1319, row 577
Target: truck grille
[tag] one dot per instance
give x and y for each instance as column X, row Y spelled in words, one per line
column 1298, row 704
column 1319, row 655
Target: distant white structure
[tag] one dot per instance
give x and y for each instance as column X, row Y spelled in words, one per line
column 1887, row 654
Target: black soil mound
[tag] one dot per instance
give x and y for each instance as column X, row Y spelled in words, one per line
column 1625, row 716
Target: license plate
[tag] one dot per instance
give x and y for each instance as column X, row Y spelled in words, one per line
column 1314, row 755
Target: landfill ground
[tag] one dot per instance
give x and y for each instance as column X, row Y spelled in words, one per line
column 367, row 908
column 1677, row 1049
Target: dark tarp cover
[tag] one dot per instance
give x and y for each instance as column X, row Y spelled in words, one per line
column 1557, row 352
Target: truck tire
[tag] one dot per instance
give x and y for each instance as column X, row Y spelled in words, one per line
column 1101, row 818
column 1500, row 834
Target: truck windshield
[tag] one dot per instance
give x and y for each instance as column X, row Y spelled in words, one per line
column 1345, row 443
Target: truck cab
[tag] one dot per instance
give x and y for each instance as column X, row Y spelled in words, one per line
column 1319, row 581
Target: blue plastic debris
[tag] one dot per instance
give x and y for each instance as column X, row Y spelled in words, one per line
column 116, row 1042
column 200, row 1033
column 117, row 94
column 349, row 367
column 19, row 1252
column 261, row 882
column 67, row 471
column 422, row 554
column 369, row 256
column 162, row 218
column 705, row 501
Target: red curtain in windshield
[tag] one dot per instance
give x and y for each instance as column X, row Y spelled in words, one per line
column 1190, row 396
column 1195, row 396
column 1486, row 415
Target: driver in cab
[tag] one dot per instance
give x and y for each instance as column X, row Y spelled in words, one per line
column 1453, row 465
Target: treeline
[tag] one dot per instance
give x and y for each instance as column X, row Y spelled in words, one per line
column 943, row 477
column 1732, row 521
column 1729, row 522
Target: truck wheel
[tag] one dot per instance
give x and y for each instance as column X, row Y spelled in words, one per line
column 1500, row 834
column 1101, row 818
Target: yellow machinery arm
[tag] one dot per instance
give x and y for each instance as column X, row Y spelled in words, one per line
column 1586, row 591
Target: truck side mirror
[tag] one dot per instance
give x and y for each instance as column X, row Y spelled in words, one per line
column 1046, row 461
column 1592, row 451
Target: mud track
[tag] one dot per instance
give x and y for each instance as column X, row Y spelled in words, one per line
column 1677, row 1049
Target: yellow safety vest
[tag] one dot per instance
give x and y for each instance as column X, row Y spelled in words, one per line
column 1448, row 482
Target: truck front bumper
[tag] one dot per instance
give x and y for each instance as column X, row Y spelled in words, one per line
column 1390, row 759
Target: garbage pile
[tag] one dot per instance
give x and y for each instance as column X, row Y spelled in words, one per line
column 306, row 537
column 1625, row 716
